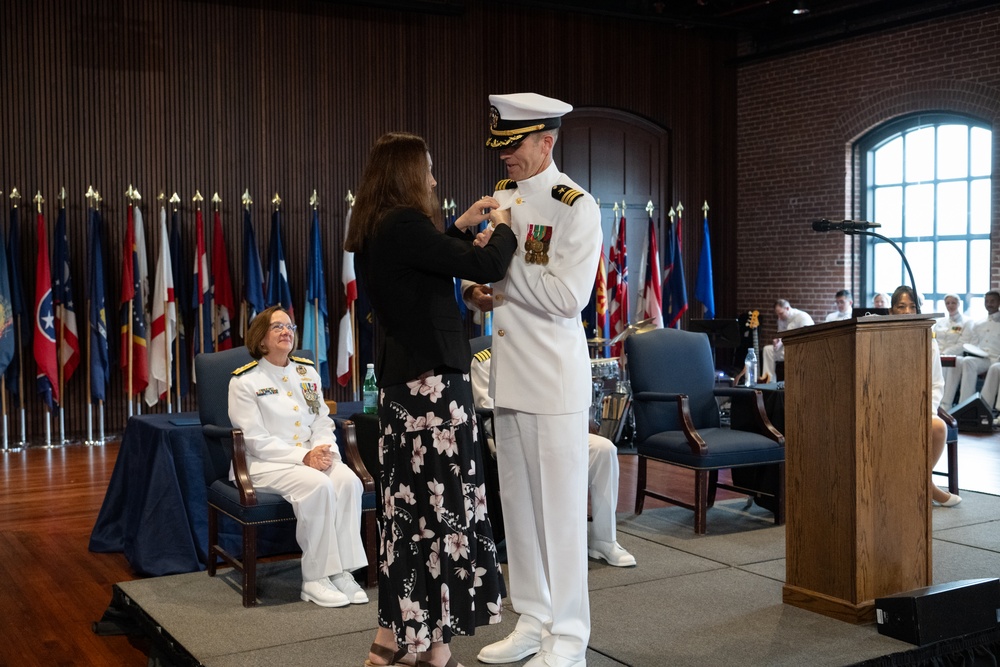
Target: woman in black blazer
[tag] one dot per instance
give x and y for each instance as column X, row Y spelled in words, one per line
column 438, row 569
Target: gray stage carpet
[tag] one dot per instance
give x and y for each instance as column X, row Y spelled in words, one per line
column 708, row 600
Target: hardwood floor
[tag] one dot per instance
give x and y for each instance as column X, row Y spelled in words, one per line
column 52, row 588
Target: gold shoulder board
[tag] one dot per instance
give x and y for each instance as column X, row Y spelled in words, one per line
column 243, row 369
column 505, row 184
column 482, row 356
column 302, row 360
column 566, row 194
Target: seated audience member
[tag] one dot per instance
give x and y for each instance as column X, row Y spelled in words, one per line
column 904, row 302
column 277, row 401
column 845, row 304
column 602, row 476
column 948, row 332
column 880, row 300
column 986, row 336
column 788, row 318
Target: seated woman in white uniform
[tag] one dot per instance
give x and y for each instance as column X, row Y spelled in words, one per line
column 277, row 401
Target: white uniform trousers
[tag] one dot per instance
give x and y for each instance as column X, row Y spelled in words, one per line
column 767, row 362
column 965, row 375
column 991, row 385
column 328, row 509
column 602, row 474
column 542, row 461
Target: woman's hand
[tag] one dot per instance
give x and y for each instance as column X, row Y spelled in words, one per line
column 497, row 217
column 475, row 214
column 318, row 457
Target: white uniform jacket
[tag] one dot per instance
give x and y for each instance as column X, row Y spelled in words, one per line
column 542, row 365
column 948, row 332
column 271, row 405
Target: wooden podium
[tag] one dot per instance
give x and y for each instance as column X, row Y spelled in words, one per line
column 857, row 427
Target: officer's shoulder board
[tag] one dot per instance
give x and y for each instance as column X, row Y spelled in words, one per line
column 243, row 369
column 483, row 355
column 302, row 360
column 566, row 194
column 505, row 184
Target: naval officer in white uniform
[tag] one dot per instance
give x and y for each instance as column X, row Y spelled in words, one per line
column 541, row 385
column 277, row 401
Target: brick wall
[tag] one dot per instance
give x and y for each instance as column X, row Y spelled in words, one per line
column 797, row 118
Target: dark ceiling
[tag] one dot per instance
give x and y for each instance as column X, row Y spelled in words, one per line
column 769, row 26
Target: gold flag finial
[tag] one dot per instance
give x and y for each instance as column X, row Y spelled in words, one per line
column 15, row 197
column 616, row 209
column 623, row 207
column 97, row 199
column 704, row 208
column 216, row 199
column 91, row 193
column 39, row 200
column 197, row 199
column 161, row 197
column 350, row 198
column 672, row 214
column 650, row 208
column 680, row 209
column 62, row 197
column 129, row 192
column 175, row 199
column 276, row 200
column 314, row 200
column 452, row 206
column 246, row 198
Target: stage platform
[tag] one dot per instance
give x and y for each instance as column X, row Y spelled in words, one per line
column 692, row 600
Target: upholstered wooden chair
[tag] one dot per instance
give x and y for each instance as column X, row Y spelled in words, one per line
column 951, row 447
column 677, row 420
column 239, row 500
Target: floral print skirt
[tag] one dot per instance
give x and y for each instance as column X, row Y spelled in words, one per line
column 438, row 569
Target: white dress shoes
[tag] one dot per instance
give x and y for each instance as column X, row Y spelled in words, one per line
column 511, row 648
column 322, row 593
column 345, row 583
column 953, row 499
column 612, row 553
column 546, row 659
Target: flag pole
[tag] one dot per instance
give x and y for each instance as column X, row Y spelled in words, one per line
column 162, row 198
column 39, row 200
column 89, row 196
column 216, row 199
column 61, row 337
column 174, row 200
column 246, row 306
column 314, row 200
column 131, row 303
column 15, row 197
column 354, row 332
column 100, row 403
column 197, row 199
column 3, row 399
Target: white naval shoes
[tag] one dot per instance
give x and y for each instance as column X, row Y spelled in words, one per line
column 322, row 593
column 611, row 552
column 546, row 659
column 345, row 583
column 511, row 648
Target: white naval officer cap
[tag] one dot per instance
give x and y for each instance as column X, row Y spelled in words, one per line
column 515, row 116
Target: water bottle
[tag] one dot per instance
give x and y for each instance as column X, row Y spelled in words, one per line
column 750, row 363
column 369, row 392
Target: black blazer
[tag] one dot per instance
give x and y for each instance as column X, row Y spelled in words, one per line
column 409, row 269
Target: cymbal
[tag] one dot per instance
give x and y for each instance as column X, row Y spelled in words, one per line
column 642, row 326
column 598, row 341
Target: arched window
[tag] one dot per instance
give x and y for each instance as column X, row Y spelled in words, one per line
column 927, row 182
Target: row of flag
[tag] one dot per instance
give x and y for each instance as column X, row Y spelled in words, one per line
column 161, row 330
column 663, row 296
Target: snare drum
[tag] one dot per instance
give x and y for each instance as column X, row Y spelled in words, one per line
column 605, row 369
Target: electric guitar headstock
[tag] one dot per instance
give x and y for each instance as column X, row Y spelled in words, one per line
column 753, row 320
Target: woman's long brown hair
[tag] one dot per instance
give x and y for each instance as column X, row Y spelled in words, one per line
column 395, row 177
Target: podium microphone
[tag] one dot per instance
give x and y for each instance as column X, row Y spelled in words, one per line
column 843, row 226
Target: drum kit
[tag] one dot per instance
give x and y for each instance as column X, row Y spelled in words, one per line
column 610, row 409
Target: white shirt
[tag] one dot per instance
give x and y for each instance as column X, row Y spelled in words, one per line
column 796, row 320
column 986, row 334
column 836, row 316
column 948, row 332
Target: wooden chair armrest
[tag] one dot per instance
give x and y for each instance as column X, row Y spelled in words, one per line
column 695, row 440
column 948, row 360
column 248, row 496
column 755, row 404
column 353, row 455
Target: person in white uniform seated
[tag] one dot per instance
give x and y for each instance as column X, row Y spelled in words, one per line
column 277, row 401
column 845, row 304
column 602, row 476
column 981, row 346
column 788, row 318
column 948, row 332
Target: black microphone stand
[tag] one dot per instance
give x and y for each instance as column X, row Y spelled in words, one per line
column 909, row 271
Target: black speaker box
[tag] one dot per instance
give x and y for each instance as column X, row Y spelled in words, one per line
column 974, row 414
column 940, row 612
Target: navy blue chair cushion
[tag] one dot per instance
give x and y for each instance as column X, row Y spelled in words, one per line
column 726, row 448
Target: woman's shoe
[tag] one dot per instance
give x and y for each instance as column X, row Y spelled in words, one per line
column 383, row 653
column 953, row 499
